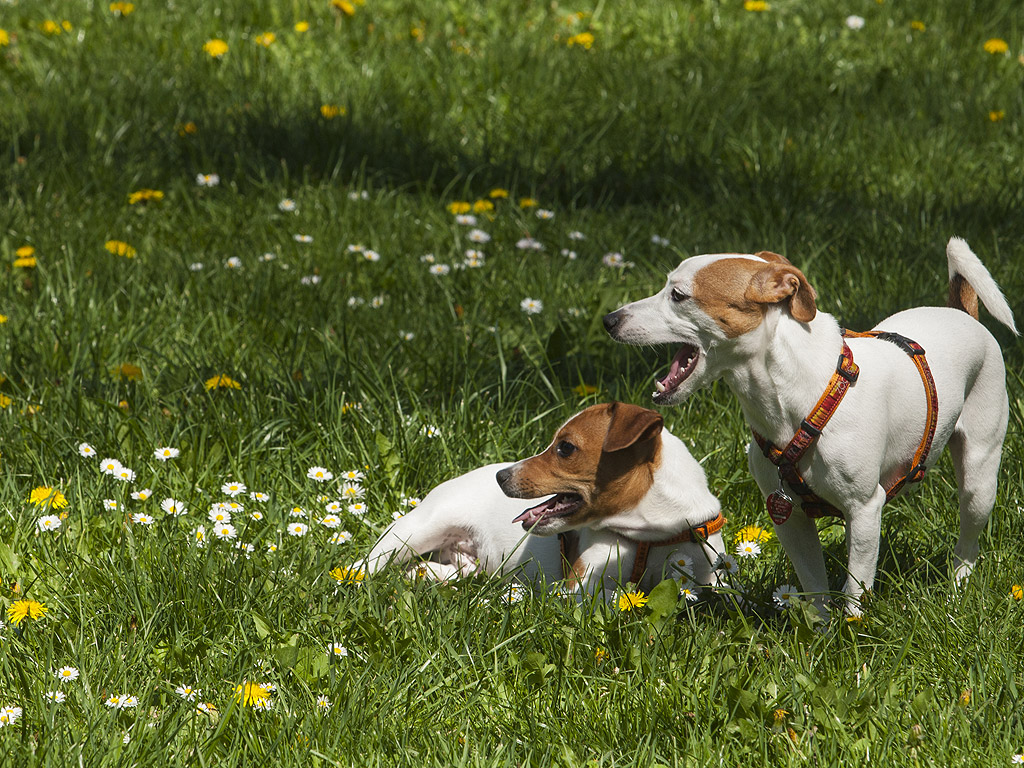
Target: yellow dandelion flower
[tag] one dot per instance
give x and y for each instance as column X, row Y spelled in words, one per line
column 145, row 196
column 755, row 6
column 4, row 400
column 779, row 715
column 186, row 129
column 996, row 45
column 25, row 261
column 498, row 193
column 47, row 496
column 266, row 39
column 5, row 39
column 584, row 39
column 996, row 115
column 50, row 27
column 527, row 202
column 120, row 248
column 347, row 575
column 417, row 33
column 66, row 25
column 630, row 600
column 127, row 371
column 600, row 654
column 24, row 251
column 220, row 381
column 753, row 533
column 483, row 206
column 22, row 609
column 251, row 694
column 215, row 48
column 344, row 6
column 301, row 26
column 459, row 207
column 1017, row 592
column 917, row 26
column 3, row 319
column 331, row 111
column 122, row 9
column 584, row 389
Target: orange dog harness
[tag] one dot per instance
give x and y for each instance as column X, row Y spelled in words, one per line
column 780, row 503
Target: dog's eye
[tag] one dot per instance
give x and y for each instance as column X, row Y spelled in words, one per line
column 565, row 449
column 678, row 295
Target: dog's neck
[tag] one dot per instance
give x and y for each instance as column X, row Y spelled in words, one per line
column 677, row 500
column 779, row 371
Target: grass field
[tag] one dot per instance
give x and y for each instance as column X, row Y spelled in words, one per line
column 230, row 229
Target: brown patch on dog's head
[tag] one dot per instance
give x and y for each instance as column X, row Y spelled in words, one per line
column 736, row 292
column 606, row 455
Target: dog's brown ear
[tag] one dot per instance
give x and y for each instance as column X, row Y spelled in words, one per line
column 630, row 425
column 779, row 282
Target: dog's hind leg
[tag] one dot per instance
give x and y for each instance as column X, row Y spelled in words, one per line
column 976, row 448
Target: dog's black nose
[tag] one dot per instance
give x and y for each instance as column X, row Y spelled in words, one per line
column 503, row 476
column 612, row 319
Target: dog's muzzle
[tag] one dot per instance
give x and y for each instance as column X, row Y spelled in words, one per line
column 612, row 321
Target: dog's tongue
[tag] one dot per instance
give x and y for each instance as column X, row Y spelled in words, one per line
column 533, row 514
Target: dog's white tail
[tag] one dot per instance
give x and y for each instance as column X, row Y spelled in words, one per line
column 970, row 281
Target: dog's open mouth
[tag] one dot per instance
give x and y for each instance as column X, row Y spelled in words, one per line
column 559, row 505
column 682, row 366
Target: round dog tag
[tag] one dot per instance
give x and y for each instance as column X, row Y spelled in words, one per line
column 780, row 505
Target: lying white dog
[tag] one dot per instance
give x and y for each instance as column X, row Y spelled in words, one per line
column 752, row 320
column 629, row 502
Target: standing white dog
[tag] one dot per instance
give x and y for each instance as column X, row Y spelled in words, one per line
column 752, row 320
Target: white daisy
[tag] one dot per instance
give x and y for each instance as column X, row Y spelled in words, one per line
column 356, row 301
column 142, row 495
column 410, row 501
column 297, row 529
column 173, row 507
column 301, row 238
column 529, row 244
column 199, row 535
column 297, row 512
column 544, row 214
column 143, row 519
column 115, row 701
column 784, row 596
column 225, row 531
column 358, row 509
column 427, row 258
column 350, row 491
column 163, row 454
column 570, row 255
column 323, row 704
column 577, row 235
column 406, row 335
column 516, row 593
column 309, row 280
column 748, row 549
column 233, row 488
column 531, row 306
column 855, row 22
column 287, row 205
column 188, row 693
column 478, row 236
column 440, row 269
column 337, row 650
column 110, row 505
column 690, row 593
column 256, row 496
column 359, row 195
column 430, row 431
column 658, row 240
column 245, row 549
column 684, row 563
column 355, row 248
column 466, row 219
column 195, row 266
column 371, row 255
column 613, row 260
column 66, row 674
column 726, row 563
column 378, row 301
column 271, row 548
column 268, row 256
column 218, row 514
column 110, row 466
column 48, row 523
column 57, row 697
column 320, row 474
column 340, row 537
column 9, row 714
column 332, row 507
column 398, row 515
column 233, row 263
column 125, row 475
column 128, row 701
column 86, row 450
column 331, row 521
column 207, row 179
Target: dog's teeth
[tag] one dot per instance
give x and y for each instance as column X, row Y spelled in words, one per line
column 659, row 386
